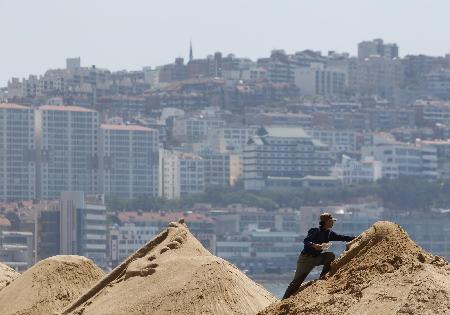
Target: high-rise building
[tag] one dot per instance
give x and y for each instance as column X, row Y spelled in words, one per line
column 181, row 173
column 377, row 47
column 73, row 63
column 83, row 223
column 67, row 150
column 17, row 153
column 129, row 164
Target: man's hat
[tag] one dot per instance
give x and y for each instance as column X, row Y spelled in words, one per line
column 326, row 216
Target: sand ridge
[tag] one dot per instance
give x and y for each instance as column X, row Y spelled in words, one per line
column 7, row 275
column 382, row 272
column 173, row 274
column 49, row 285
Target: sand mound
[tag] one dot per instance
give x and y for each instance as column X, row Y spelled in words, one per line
column 49, row 285
column 383, row 272
column 173, row 274
column 7, row 275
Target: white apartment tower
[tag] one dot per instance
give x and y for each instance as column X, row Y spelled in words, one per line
column 129, row 164
column 17, row 153
column 67, row 150
column 182, row 174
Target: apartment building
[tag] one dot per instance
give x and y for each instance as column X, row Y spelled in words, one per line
column 438, row 84
column 261, row 250
column 192, row 174
column 378, row 75
column 401, row 159
column 217, row 169
column 286, row 152
column 17, row 153
column 129, row 160
column 339, row 141
column 83, row 224
column 16, row 249
column 195, row 128
column 352, row 171
column 67, row 138
column 377, row 47
column 233, row 139
column 316, row 81
column 432, row 112
column 181, row 173
column 443, row 155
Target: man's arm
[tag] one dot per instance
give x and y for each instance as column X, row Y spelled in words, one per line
column 340, row 238
column 310, row 239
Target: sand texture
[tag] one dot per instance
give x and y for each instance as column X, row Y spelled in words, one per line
column 7, row 275
column 383, row 272
column 173, row 274
column 49, row 285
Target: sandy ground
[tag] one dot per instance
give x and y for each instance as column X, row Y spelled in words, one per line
column 49, row 285
column 174, row 274
column 7, row 275
column 383, row 272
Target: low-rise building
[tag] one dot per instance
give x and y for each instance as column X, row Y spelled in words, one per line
column 260, row 251
column 401, row 159
column 352, row 171
column 137, row 228
column 16, row 249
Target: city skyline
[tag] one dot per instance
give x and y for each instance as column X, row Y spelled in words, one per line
column 116, row 37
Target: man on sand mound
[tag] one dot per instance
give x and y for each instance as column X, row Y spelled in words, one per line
column 312, row 254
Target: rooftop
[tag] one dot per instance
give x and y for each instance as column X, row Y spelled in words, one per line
column 125, row 127
column 12, row 106
column 67, row 108
column 286, row 132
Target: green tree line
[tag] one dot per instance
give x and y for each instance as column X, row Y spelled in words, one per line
column 400, row 194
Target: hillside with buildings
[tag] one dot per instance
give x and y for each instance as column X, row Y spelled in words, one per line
column 96, row 162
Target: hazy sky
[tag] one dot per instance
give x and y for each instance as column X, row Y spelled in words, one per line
column 36, row 35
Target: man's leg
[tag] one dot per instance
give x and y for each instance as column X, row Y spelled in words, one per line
column 304, row 266
column 327, row 259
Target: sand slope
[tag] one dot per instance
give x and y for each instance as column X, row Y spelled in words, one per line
column 383, row 272
column 7, row 275
column 49, row 285
column 174, row 274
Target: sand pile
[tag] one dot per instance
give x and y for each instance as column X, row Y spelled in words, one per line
column 7, row 275
column 49, row 285
column 173, row 274
column 383, row 272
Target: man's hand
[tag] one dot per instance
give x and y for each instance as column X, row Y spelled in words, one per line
column 317, row 246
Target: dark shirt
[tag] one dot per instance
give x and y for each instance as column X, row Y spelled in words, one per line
column 319, row 236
